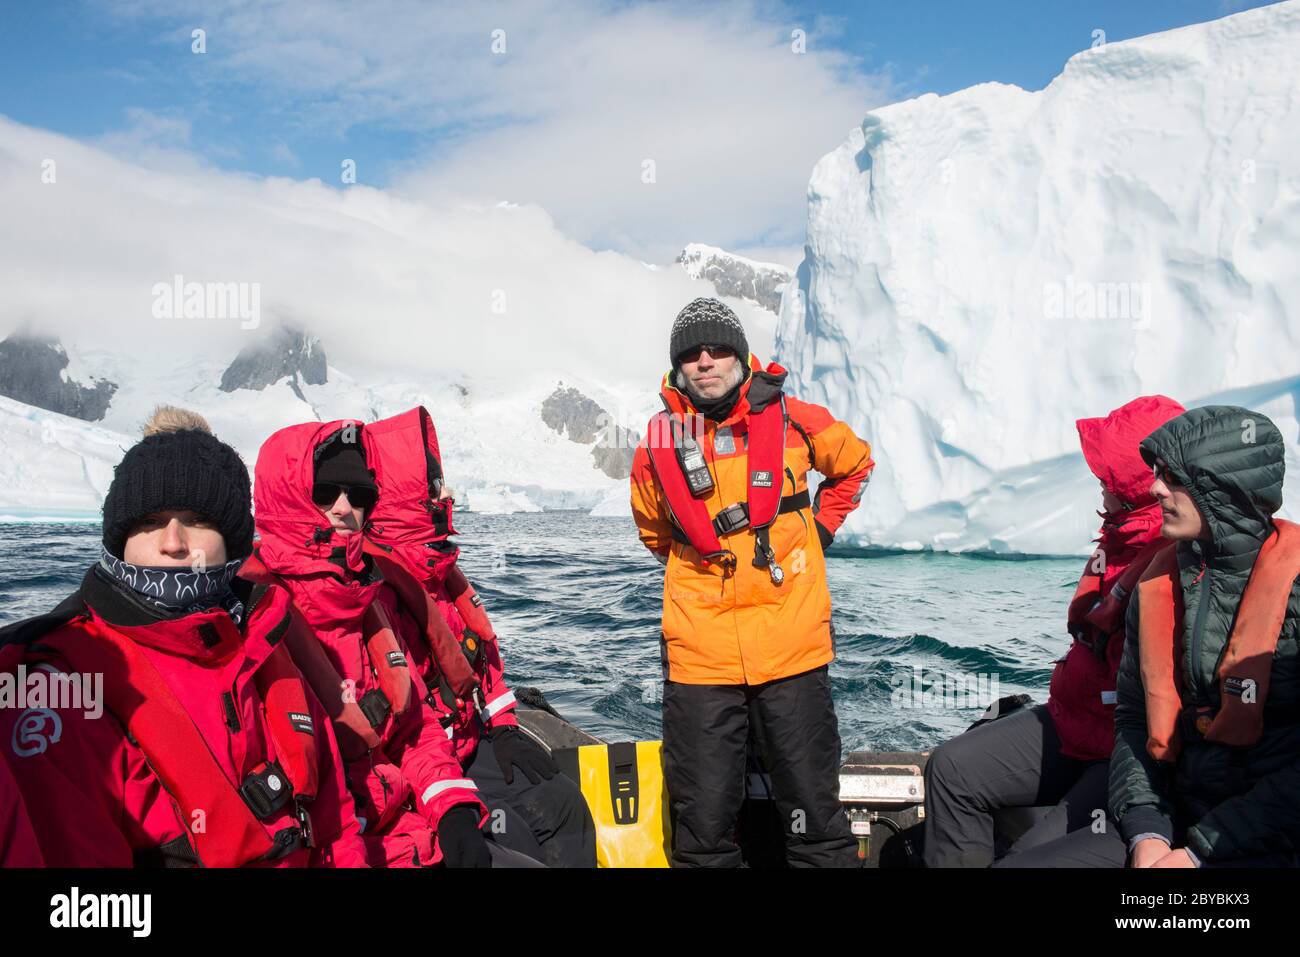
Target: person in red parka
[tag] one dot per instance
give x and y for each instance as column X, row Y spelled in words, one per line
column 315, row 549
column 1057, row 754
column 175, row 729
column 411, row 524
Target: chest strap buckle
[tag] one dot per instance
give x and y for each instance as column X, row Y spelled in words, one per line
column 731, row 519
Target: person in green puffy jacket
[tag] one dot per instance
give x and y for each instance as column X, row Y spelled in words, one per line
column 1179, row 797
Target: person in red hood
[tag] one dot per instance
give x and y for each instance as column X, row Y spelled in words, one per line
column 312, row 491
column 1058, row 754
column 411, row 524
column 163, row 722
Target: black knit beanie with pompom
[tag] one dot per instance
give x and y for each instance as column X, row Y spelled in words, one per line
column 186, row 469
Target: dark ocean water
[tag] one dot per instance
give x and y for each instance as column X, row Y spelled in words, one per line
column 576, row 601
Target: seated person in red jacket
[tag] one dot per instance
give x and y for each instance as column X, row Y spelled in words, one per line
column 540, row 811
column 191, row 738
column 1057, row 754
column 361, row 630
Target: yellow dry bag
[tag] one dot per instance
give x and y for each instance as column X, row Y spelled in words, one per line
column 624, row 787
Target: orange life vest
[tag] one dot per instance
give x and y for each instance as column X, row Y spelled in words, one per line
column 1247, row 662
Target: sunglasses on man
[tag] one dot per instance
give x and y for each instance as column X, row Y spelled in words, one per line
column 1161, row 471
column 325, row 494
column 717, row 352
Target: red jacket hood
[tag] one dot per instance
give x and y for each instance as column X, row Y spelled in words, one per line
column 408, row 518
column 294, row 537
column 1110, row 445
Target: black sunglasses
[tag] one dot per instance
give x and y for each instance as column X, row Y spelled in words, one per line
column 1163, row 474
column 717, row 352
column 325, row 494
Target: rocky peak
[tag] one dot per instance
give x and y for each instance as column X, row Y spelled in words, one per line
column 33, row 370
column 582, row 420
column 735, row 276
column 286, row 351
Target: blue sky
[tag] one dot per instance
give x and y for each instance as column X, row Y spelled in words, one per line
column 295, row 92
column 940, row 47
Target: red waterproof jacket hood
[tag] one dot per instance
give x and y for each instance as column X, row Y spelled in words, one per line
column 1081, row 701
column 295, row 538
column 1110, row 445
column 411, row 517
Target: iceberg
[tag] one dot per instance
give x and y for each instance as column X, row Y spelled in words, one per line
column 984, row 268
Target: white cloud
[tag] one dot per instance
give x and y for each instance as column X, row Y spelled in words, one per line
column 584, row 94
column 403, row 287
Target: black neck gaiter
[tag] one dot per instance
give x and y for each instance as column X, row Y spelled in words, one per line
column 178, row 591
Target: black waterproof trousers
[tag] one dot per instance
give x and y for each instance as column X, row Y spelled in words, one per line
column 547, row 821
column 1011, row 762
column 706, row 729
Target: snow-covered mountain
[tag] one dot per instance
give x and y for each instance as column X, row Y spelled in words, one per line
column 735, row 276
column 286, row 352
column 263, row 302
column 35, row 370
column 982, row 269
column 499, row 452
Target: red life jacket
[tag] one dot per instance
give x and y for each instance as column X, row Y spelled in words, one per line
column 470, row 608
column 355, row 724
column 668, row 432
column 454, row 668
column 1247, row 660
column 409, row 536
column 1106, row 615
column 138, row 696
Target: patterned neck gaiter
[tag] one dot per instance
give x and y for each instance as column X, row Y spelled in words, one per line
column 179, row 591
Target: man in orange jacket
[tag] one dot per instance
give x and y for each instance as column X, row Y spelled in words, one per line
column 720, row 497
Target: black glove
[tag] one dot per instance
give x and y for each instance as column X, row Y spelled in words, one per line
column 823, row 535
column 462, row 843
column 514, row 750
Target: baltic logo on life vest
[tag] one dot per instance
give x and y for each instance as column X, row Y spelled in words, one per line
column 75, row 910
column 761, row 479
column 1243, row 688
column 301, row 721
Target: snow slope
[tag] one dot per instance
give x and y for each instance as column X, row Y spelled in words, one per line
column 498, row 453
column 984, row 268
column 54, row 467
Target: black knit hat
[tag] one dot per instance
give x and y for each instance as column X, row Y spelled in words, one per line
column 706, row 322
column 340, row 460
column 185, row 469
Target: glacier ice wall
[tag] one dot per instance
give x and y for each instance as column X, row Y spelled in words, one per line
column 984, row 268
